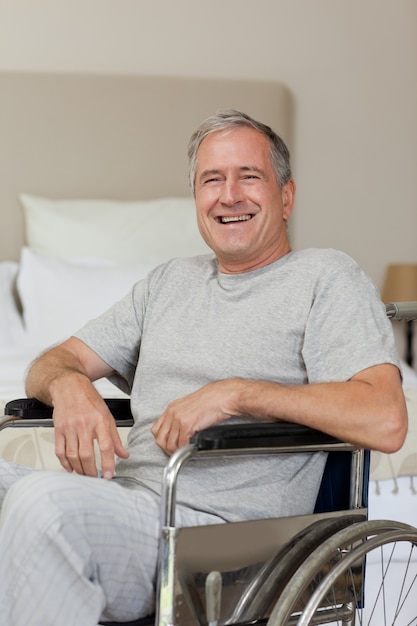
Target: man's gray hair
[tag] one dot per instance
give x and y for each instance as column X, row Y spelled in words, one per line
column 229, row 119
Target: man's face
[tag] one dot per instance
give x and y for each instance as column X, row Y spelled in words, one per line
column 241, row 210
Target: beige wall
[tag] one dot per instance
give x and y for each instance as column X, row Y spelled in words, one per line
column 351, row 66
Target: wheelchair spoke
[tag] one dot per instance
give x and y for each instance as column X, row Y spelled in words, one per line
column 381, row 601
column 412, row 583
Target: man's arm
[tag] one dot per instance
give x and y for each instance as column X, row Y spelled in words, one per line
column 369, row 410
column 62, row 377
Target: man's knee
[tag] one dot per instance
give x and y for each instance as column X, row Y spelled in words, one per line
column 29, row 495
column 10, row 473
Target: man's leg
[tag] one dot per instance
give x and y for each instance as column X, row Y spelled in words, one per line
column 72, row 548
column 9, row 474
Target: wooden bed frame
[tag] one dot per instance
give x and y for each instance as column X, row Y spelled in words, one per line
column 115, row 137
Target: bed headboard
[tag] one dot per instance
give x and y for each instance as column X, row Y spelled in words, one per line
column 115, row 137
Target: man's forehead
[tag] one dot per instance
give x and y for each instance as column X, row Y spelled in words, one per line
column 246, row 143
column 235, row 133
column 239, row 156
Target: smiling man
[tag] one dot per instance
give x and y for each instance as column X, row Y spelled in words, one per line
column 254, row 331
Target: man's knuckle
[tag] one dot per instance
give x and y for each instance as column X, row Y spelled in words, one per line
column 106, row 445
column 84, row 455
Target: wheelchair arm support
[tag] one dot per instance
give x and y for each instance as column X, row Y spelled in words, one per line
column 31, row 412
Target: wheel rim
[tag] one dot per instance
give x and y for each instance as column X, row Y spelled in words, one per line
column 380, row 607
column 318, row 565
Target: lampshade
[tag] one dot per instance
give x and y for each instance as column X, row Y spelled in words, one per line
column 400, row 283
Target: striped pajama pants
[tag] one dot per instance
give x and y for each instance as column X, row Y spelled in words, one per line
column 74, row 548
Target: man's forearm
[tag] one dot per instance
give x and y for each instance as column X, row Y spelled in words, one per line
column 71, row 360
column 50, row 367
column 368, row 410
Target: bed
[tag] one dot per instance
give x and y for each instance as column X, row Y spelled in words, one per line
column 94, row 193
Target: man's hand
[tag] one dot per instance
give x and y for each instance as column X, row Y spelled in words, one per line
column 62, row 377
column 212, row 404
column 80, row 419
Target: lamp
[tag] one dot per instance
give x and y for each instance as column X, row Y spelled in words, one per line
column 401, row 286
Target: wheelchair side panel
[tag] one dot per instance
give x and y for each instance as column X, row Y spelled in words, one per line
column 241, row 552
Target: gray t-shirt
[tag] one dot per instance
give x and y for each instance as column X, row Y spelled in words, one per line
column 312, row 316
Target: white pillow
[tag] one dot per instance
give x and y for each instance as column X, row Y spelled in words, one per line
column 151, row 231
column 59, row 296
column 11, row 324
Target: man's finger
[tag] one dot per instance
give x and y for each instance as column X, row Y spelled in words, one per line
column 109, row 444
column 60, row 452
column 107, row 457
column 87, row 457
column 119, row 448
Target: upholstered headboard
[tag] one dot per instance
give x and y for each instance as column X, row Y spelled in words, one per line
column 115, row 137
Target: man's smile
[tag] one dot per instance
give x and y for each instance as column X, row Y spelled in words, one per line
column 226, row 219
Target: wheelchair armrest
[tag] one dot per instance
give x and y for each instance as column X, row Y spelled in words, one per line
column 30, row 408
column 260, row 435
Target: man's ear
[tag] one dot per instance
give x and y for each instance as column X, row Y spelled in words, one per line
column 288, row 196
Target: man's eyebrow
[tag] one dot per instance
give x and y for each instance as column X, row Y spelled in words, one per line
column 252, row 168
column 206, row 173
column 244, row 168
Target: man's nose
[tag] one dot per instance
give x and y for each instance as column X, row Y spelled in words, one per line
column 231, row 192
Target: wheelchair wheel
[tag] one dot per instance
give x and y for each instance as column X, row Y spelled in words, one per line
column 332, row 586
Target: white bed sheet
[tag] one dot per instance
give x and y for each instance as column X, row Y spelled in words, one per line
column 13, row 365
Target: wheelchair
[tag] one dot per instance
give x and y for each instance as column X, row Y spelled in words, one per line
column 331, row 567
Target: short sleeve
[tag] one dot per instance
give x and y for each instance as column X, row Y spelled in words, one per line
column 347, row 329
column 116, row 335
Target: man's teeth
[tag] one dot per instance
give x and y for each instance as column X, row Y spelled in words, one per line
column 235, row 218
